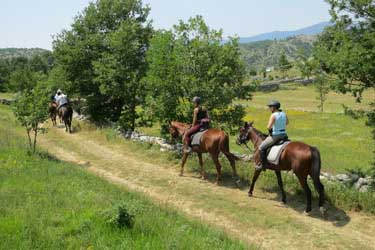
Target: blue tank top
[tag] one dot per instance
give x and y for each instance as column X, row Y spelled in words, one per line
column 279, row 127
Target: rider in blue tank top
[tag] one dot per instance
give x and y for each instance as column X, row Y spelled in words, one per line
column 277, row 131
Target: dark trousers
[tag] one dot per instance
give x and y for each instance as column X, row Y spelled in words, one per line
column 188, row 134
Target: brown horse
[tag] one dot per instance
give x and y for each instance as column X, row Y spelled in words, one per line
column 213, row 142
column 52, row 110
column 303, row 159
column 66, row 113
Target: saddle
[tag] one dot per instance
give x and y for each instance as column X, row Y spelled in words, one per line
column 196, row 138
column 274, row 152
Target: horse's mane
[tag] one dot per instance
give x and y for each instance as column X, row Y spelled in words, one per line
column 259, row 133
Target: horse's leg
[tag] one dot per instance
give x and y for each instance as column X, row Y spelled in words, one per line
column 303, row 181
column 203, row 176
column 255, row 178
column 232, row 161
column 184, row 158
column 215, row 158
column 320, row 189
column 280, row 182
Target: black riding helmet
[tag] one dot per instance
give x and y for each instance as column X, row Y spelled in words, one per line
column 275, row 104
column 197, row 99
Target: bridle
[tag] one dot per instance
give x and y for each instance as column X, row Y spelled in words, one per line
column 244, row 139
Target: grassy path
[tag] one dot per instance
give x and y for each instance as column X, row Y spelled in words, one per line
column 262, row 220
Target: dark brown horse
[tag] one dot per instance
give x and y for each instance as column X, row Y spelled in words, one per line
column 66, row 113
column 303, row 159
column 52, row 110
column 213, row 142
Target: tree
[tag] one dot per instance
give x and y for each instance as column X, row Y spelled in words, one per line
column 283, row 64
column 322, row 88
column 30, row 109
column 191, row 60
column 102, row 58
column 306, row 65
column 346, row 50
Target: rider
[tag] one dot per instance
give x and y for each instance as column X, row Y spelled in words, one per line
column 200, row 120
column 277, row 131
column 61, row 99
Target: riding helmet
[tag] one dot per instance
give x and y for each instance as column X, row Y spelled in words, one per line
column 275, row 104
column 197, row 99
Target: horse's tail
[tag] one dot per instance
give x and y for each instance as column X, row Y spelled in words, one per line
column 315, row 174
column 224, row 147
column 315, row 163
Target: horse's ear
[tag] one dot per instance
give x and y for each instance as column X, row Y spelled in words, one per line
column 251, row 123
column 246, row 125
column 170, row 123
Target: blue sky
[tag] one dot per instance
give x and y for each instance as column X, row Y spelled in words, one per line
column 32, row 23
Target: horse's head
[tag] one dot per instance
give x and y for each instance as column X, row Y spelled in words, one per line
column 173, row 131
column 244, row 134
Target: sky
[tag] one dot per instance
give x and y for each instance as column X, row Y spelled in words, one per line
column 32, row 23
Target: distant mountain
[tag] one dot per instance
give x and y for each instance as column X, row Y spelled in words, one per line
column 260, row 54
column 311, row 30
column 6, row 53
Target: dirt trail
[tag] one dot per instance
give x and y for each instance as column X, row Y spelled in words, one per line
column 261, row 220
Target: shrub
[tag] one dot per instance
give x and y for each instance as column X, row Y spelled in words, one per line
column 122, row 214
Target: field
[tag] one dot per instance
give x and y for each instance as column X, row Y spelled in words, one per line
column 338, row 137
column 50, row 204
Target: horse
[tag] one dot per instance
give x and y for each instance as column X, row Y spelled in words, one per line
column 66, row 113
column 52, row 110
column 303, row 159
column 213, row 141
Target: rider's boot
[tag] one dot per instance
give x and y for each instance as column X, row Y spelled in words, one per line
column 263, row 160
column 187, row 148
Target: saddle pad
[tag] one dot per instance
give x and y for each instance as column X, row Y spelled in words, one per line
column 197, row 138
column 274, row 155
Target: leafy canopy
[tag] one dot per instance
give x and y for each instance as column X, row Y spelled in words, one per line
column 191, row 60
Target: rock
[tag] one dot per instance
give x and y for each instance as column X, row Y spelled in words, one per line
column 364, row 189
column 361, row 181
column 343, row 177
column 163, row 150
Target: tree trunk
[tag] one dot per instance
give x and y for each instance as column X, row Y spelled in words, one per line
column 28, row 136
column 35, row 135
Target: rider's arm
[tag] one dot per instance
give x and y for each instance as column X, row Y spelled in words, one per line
column 271, row 122
column 195, row 116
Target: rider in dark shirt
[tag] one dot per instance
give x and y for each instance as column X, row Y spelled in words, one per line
column 200, row 119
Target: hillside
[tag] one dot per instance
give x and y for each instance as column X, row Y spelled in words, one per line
column 310, row 30
column 20, row 52
column 266, row 53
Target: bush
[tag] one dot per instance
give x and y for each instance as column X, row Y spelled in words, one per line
column 122, row 214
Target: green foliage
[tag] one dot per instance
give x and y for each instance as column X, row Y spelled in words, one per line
column 188, row 61
column 102, row 58
column 30, row 109
column 346, row 49
column 283, row 64
column 322, row 88
column 21, row 73
column 267, row 53
column 120, row 215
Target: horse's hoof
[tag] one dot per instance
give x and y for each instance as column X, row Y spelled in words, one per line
column 180, row 174
column 250, row 194
column 323, row 212
column 203, row 177
column 284, row 201
column 238, row 183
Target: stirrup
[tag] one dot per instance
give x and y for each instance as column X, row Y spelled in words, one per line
column 187, row 150
column 260, row 167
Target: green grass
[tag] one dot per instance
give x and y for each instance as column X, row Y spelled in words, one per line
column 6, row 95
column 298, row 97
column 48, row 204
